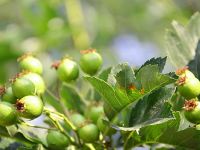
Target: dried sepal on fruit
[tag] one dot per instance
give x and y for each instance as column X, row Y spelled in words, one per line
column 192, row 110
column 188, row 85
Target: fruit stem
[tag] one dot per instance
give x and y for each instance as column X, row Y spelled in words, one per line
column 57, row 124
column 58, row 100
column 67, row 121
column 90, row 146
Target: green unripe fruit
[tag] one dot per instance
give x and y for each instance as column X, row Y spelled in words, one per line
column 30, row 107
column 57, row 140
column 105, row 128
column 190, row 88
column 192, row 111
column 89, row 133
column 77, row 119
column 30, row 63
column 23, row 87
column 94, row 112
column 8, row 114
column 8, row 96
column 37, row 81
column 90, row 62
column 68, row 70
column 188, row 84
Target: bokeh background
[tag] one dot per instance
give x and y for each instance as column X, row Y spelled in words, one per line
column 121, row 30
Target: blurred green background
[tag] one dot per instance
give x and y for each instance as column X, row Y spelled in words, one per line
column 121, row 30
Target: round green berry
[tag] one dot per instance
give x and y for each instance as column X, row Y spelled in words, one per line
column 94, row 112
column 89, row 133
column 30, row 107
column 30, row 63
column 67, row 70
column 57, row 140
column 90, row 62
column 8, row 114
column 77, row 119
column 192, row 111
column 37, row 81
column 22, row 87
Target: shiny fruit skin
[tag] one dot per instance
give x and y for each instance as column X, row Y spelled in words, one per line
column 37, row 81
column 8, row 114
column 31, row 64
column 89, row 133
column 68, row 70
column 8, row 96
column 77, row 119
column 104, row 128
column 190, row 89
column 23, row 87
column 94, row 112
column 30, row 107
column 193, row 116
column 57, row 140
column 91, row 62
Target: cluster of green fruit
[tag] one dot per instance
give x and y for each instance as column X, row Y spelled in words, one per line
column 189, row 88
column 22, row 98
column 88, row 127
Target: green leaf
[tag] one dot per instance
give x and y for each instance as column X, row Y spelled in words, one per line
column 13, row 133
column 152, row 109
column 104, row 74
column 51, row 100
column 117, row 97
column 3, row 131
column 71, row 98
column 177, row 102
column 22, row 132
column 5, row 142
column 181, row 41
column 155, row 61
column 122, row 76
column 167, row 133
column 194, row 65
column 151, row 79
